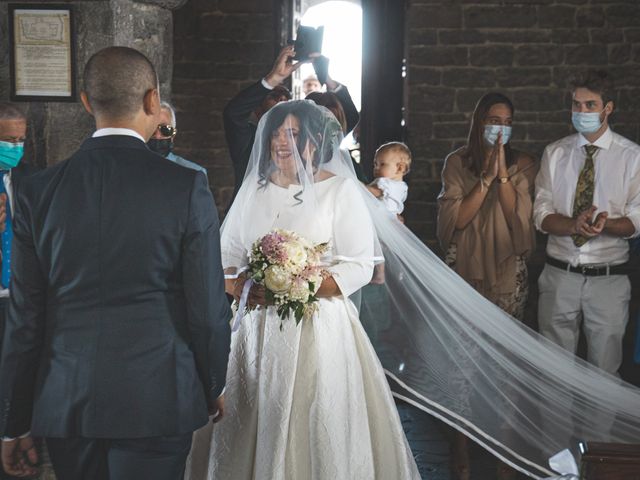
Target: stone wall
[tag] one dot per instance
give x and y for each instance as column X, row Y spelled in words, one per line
column 459, row 50
column 56, row 129
column 221, row 46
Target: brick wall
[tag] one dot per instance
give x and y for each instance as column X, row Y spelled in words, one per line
column 456, row 51
column 459, row 50
column 220, row 47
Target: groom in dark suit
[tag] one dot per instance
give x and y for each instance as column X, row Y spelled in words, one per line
column 117, row 335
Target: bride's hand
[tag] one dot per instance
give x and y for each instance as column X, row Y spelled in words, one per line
column 257, row 296
column 216, row 409
column 238, row 285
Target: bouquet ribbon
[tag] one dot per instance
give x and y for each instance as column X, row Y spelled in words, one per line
column 242, row 304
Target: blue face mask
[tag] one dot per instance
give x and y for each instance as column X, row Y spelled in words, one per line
column 586, row 122
column 491, row 133
column 10, row 154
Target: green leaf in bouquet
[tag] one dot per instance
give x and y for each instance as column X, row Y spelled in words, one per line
column 299, row 312
column 283, row 311
column 270, row 297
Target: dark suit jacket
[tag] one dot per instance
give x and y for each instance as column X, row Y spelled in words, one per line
column 239, row 131
column 118, row 322
column 350, row 111
column 17, row 174
column 23, row 169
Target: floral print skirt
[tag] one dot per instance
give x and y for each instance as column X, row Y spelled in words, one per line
column 513, row 302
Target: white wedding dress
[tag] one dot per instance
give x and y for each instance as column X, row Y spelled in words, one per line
column 308, row 401
column 312, row 402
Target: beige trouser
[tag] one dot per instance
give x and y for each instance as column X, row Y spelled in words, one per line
column 600, row 303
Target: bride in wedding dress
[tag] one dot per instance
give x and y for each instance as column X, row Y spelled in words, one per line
column 311, row 401
column 306, row 401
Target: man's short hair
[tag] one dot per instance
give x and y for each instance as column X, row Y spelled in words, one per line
column 172, row 111
column 116, row 80
column 399, row 147
column 9, row 111
column 597, row 81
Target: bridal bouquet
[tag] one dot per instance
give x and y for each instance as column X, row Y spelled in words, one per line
column 289, row 267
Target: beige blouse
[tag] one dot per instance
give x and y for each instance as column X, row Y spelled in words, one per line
column 486, row 248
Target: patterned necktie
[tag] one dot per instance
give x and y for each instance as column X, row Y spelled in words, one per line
column 584, row 191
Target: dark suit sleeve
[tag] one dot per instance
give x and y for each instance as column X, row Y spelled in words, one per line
column 208, row 311
column 238, row 130
column 24, row 334
column 350, row 110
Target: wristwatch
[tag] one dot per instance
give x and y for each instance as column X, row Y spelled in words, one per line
column 503, row 179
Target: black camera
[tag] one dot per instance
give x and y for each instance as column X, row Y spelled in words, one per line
column 308, row 41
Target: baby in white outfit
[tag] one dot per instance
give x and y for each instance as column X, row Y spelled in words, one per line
column 390, row 164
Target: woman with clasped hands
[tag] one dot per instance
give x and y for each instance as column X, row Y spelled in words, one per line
column 484, row 221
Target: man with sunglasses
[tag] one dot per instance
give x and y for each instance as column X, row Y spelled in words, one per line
column 162, row 140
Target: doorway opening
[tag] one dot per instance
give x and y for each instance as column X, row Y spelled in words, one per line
column 342, row 44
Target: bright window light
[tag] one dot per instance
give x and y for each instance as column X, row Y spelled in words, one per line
column 342, row 43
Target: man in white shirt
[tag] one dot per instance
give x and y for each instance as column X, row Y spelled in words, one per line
column 588, row 202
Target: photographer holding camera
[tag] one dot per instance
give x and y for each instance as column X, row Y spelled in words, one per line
column 243, row 111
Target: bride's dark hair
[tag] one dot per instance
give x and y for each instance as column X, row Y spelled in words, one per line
column 317, row 126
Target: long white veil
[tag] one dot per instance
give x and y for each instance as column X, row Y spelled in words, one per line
column 445, row 348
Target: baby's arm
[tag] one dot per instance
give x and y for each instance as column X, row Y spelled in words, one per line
column 375, row 189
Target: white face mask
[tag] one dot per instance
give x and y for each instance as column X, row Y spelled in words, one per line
column 491, row 133
column 586, row 122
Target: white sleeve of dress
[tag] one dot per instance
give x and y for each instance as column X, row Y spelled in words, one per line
column 234, row 255
column 353, row 239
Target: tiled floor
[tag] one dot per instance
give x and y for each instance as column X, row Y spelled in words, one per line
column 430, row 447
column 428, row 442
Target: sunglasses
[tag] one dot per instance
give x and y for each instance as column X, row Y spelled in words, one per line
column 167, row 130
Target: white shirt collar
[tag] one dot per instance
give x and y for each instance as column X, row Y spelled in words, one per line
column 603, row 142
column 103, row 132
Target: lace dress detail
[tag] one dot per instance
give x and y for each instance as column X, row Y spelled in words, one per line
column 309, row 401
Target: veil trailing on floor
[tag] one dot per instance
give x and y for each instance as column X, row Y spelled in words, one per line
column 445, row 348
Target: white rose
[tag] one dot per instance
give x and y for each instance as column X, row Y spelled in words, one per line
column 277, row 279
column 297, row 254
column 299, row 291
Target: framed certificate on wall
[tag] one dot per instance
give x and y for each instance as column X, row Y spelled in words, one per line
column 42, row 53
